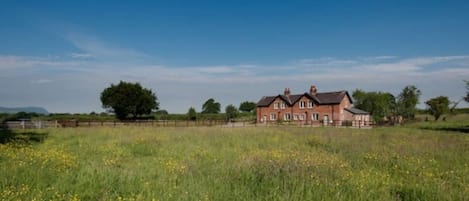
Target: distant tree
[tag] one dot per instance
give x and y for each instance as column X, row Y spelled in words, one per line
column 129, row 99
column 231, row 112
column 162, row 112
column 247, row 106
column 407, row 101
column 211, row 107
column 466, row 98
column 192, row 114
column 438, row 106
column 378, row 104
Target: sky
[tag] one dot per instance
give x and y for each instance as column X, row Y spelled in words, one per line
column 61, row 54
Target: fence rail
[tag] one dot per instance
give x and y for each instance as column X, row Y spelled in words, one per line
column 27, row 124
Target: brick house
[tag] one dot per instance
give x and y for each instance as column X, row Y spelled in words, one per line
column 313, row 108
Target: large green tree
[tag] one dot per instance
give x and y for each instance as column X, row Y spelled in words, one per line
column 247, row 106
column 231, row 112
column 407, row 101
column 378, row 104
column 438, row 106
column 129, row 100
column 211, row 107
column 192, row 114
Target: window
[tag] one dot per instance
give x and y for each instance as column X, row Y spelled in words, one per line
column 282, row 106
column 315, row 116
column 275, row 105
column 273, row 116
column 287, row 116
column 310, row 104
column 302, row 104
column 302, row 117
column 295, row 117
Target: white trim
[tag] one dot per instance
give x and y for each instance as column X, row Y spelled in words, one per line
column 296, row 116
column 310, row 104
column 302, row 104
column 273, row 116
column 315, row 116
column 302, row 117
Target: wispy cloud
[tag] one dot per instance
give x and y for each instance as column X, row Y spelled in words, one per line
column 10, row 62
column 93, row 46
column 41, row 81
column 81, row 55
column 178, row 88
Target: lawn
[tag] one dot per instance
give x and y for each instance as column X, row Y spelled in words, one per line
column 277, row 163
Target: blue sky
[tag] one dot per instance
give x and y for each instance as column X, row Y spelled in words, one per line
column 62, row 54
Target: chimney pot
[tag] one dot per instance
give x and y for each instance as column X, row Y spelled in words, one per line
column 313, row 90
column 286, row 92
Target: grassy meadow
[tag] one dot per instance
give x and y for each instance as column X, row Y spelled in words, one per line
column 275, row 163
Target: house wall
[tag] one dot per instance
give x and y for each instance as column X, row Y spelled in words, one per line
column 333, row 112
column 305, row 112
column 339, row 114
column 358, row 119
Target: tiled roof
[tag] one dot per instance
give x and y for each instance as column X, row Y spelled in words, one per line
column 320, row 98
column 266, row 101
column 331, row 97
column 356, row 111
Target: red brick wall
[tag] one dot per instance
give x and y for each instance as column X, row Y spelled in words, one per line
column 334, row 112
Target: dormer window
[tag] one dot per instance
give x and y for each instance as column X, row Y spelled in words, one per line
column 282, row 105
column 310, row 104
column 302, row 104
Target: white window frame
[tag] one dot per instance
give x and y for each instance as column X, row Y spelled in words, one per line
column 315, row 116
column 273, row 116
column 275, row 105
column 282, row 105
column 295, row 117
column 302, row 104
column 287, row 116
column 302, row 117
column 310, row 104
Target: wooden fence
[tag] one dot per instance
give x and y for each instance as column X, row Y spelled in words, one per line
column 27, row 124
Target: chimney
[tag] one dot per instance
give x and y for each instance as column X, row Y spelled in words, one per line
column 313, row 90
column 286, row 92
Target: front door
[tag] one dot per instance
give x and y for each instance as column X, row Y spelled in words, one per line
column 264, row 119
column 326, row 120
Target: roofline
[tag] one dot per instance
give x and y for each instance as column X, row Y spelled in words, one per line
column 309, row 96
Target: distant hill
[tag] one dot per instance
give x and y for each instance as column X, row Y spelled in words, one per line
column 38, row 110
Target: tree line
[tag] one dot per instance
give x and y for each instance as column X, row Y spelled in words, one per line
column 385, row 106
column 130, row 101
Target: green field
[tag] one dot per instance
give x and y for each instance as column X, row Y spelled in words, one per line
column 278, row 163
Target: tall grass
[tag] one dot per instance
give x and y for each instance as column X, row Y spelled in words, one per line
column 283, row 163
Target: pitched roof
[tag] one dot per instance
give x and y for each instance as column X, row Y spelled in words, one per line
column 320, row 98
column 266, row 101
column 356, row 111
column 332, row 97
